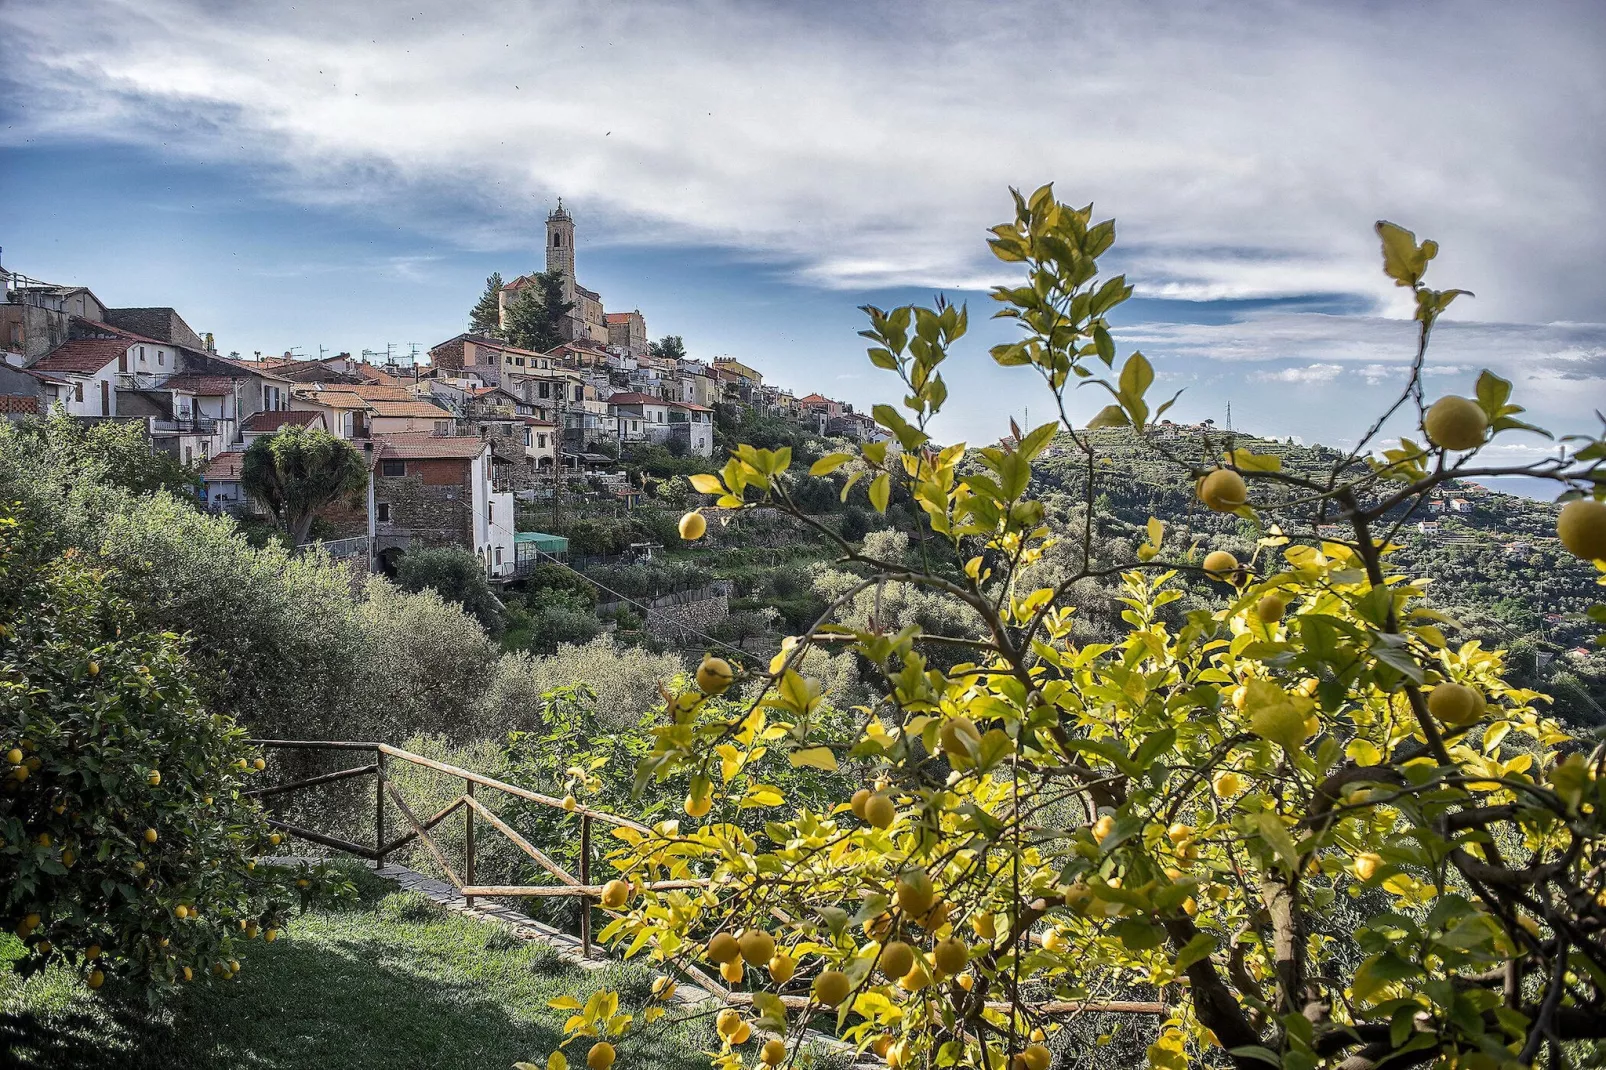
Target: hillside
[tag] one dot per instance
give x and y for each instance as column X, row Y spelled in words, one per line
column 1495, row 563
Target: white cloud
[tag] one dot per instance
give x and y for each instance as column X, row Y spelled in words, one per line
column 1310, row 373
column 1246, row 147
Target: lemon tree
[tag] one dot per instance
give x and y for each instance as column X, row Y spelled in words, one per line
column 127, row 847
column 1308, row 822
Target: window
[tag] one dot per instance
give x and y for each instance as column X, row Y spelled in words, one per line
column 498, row 555
column 557, row 241
column 393, row 468
column 142, row 354
column 519, row 361
column 161, row 357
column 382, row 512
column 78, row 391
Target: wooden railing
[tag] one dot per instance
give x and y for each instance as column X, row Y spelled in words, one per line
column 577, row 886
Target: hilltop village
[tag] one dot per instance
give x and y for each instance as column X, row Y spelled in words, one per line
column 452, row 442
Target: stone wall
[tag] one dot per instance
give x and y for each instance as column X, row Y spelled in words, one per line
column 681, row 624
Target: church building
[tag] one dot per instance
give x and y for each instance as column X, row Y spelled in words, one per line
column 587, row 321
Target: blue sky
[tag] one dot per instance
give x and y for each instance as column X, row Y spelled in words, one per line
column 346, row 175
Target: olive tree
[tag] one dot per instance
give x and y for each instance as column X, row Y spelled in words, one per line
column 298, row 470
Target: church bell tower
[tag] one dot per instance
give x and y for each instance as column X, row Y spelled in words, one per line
column 560, row 243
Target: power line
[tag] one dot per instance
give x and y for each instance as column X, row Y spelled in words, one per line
column 539, row 553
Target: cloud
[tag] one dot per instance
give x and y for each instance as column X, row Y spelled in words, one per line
column 1245, row 147
column 1310, row 373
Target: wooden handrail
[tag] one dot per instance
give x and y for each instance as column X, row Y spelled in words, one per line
column 313, row 781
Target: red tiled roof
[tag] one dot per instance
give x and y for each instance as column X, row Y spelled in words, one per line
column 384, row 408
column 689, row 405
column 617, row 317
column 204, row 385
column 273, row 419
column 806, row 398
column 376, row 376
column 423, row 446
column 82, row 356
column 635, row 399
column 225, row 468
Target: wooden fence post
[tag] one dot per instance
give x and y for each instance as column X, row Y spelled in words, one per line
column 468, row 844
column 585, row 879
column 379, row 808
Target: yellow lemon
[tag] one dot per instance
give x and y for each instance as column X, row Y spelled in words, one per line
column 897, row 959
column 1270, row 608
column 1226, row 784
column 96, row 979
column 743, row 1033
column 155, row 778
column 856, row 803
column 1223, row 491
column 698, row 805
column 880, row 811
column 723, row 948
column 615, row 894
column 832, row 987
column 1366, row 865
column 1581, row 527
column 1455, row 423
column 950, row 956
column 150, row 836
column 1179, row 833
column 984, row 925
column 1035, row 1057
column 773, row 1052
column 915, row 894
column 714, row 675
column 1103, row 827
column 600, row 1057
column 727, row 1022
column 1220, row 566
column 757, row 946
column 692, row 526
column 570, row 803
column 1456, row 704
column 732, row 971
column 782, row 966
column 916, row 979
column 14, row 756
column 958, row 734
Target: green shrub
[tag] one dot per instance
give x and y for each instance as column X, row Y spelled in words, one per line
column 126, row 844
column 457, row 576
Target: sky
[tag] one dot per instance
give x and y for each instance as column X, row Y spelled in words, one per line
column 345, row 175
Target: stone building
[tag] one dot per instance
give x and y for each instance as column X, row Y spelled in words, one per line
column 587, row 320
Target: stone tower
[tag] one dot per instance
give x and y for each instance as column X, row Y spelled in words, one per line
column 560, row 243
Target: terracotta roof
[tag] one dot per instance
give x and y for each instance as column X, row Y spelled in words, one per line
column 617, row 317
column 377, row 376
column 82, row 356
column 812, row 397
column 689, row 405
column 334, row 399
column 204, row 385
column 273, row 419
column 407, row 408
column 424, row 446
column 369, row 391
column 635, row 399
column 224, row 468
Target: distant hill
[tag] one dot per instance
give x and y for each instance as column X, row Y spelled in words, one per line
column 1495, row 562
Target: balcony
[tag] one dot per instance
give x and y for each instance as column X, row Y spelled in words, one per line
column 185, row 425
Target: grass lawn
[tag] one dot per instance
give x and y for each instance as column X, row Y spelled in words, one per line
column 392, row 981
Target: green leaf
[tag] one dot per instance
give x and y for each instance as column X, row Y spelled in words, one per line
column 1199, row 948
column 704, row 483
column 1493, row 392
column 1136, row 375
column 1259, row 1054
column 1403, row 260
column 1109, row 416
column 813, row 758
column 881, row 492
column 827, row 464
column 1275, row 833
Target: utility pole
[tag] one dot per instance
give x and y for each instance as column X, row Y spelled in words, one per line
column 322, row 349
column 557, row 449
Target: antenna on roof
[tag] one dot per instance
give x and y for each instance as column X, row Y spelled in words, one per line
column 322, row 349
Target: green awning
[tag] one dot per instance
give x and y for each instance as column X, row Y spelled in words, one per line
column 546, row 544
